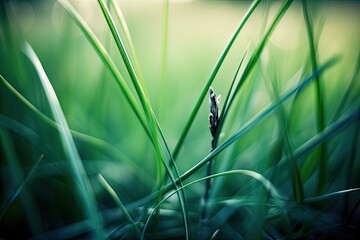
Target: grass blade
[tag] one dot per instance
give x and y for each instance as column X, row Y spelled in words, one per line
column 330, row 195
column 77, row 168
column 253, row 60
column 128, row 40
column 196, row 108
column 153, row 124
column 118, row 201
column 297, row 184
column 319, row 101
column 98, row 143
column 108, row 62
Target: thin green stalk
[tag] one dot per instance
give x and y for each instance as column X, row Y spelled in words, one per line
column 322, row 177
column 218, row 64
column 80, row 179
column 118, row 201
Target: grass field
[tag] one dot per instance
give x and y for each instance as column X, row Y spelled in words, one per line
column 104, row 119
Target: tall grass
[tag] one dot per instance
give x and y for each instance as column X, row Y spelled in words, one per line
column 115, row 171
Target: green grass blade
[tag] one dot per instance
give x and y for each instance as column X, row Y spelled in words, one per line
column 118, row 201
column 330, row 131
column 254, row 58
column 98, row 143
column 256, row 176
column 226, row 102
column 297, row 184
column 108, row 62
column 30, row 210
column 196, row 108
column 351, row 86
column 128, row 40
column 20, row 188
column 319, row 101
column 77, row 168
column 330, row 195
column 126, row 58
column 153, row 124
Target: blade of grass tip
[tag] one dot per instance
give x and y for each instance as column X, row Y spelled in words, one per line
column 252, row 174
column 322, row 177
column 20, row 188
column 248, row 126
column 128, row 39
column 118, row 201
column 98, row 143
column 255, row 56
column 77, row 168
column 106, row 59
column 218, row 64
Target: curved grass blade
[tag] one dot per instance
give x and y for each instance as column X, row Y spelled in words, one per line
column 98, row 143
column 258, row 177
column 77, row 168
column 297, row 184
column 322, row 179
column 350, row 87
column 218, row 64
column 118, row 201
column 106, row 59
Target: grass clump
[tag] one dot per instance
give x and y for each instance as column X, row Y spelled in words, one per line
column 116, row 146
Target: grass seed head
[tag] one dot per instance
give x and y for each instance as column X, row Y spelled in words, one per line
column 214, row 111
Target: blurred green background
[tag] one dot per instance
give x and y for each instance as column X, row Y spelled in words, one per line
column 176, row 57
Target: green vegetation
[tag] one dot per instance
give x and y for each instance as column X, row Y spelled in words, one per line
column 104, row 120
